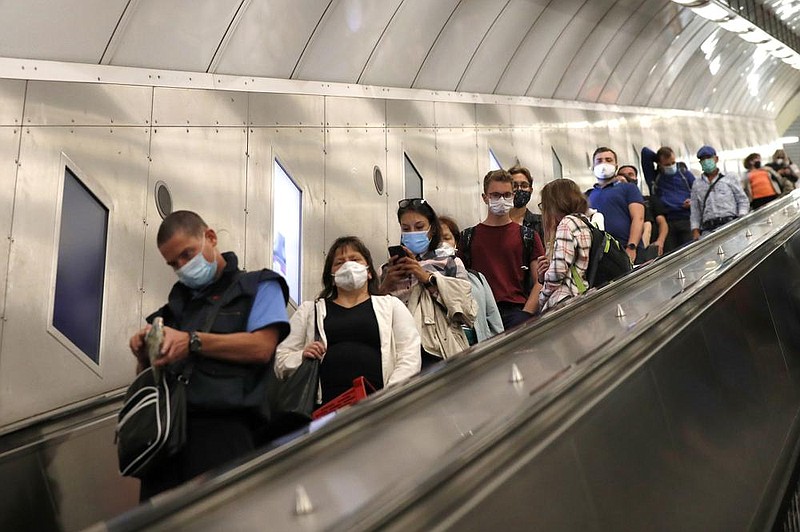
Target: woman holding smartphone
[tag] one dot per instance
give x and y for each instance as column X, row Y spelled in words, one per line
column 434, row 286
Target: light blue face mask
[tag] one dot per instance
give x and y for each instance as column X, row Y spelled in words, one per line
column 708, row 165
column 671, row 169
column 417, row 241
column 198, row 272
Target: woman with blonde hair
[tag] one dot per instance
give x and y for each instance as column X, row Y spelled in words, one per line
column 569, row 242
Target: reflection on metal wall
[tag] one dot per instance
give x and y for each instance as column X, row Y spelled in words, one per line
column 215, row 152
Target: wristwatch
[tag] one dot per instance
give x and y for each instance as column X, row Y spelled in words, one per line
column 429, row 282
column 195, row 344
column 631, row 245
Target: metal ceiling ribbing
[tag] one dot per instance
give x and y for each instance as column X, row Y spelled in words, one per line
column 652, row 53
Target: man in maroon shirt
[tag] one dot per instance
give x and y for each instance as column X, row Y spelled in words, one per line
column 506, row 253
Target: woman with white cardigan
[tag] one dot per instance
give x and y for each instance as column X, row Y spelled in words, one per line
column 361, row 334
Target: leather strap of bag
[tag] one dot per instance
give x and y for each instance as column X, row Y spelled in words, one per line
column 317, row 336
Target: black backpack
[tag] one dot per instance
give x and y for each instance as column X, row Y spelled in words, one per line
column 607, row 259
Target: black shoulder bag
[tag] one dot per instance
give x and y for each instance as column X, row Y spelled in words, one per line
column 291, row 401
column 151, row 426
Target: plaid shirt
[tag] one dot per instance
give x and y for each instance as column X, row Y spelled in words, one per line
column 572, row 245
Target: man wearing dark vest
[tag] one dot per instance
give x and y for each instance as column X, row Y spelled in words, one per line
column 226, row 365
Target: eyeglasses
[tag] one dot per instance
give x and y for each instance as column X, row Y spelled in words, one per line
column 410, row 202
column 520, row 186
column 496, row 195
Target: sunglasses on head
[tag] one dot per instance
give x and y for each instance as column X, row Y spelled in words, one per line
column 410, row 202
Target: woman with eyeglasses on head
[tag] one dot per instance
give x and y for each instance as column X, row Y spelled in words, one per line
column 362, row 333
column 569, row 241
column 435, row 287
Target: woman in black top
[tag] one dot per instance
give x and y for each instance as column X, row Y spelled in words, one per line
column 362, row 334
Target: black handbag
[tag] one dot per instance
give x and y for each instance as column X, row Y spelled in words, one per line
column 291, row 401
column 151, row 426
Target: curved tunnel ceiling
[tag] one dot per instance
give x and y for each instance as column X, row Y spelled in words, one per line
column 652, row 53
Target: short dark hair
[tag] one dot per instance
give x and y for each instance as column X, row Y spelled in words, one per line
column 601, row 149
column 517, row 169
column 664, row 152
column 635, row 170
column 501, row 176
column 186, row 221
column 452, row 225
column 750, row 158
column 424, row 208
column 329, row 287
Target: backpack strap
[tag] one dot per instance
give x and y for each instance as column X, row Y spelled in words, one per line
column 466, row 247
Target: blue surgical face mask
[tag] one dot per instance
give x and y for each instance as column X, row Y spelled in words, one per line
column 708, row 165
column 417, row 241
column 198, row 272
column 671, row 169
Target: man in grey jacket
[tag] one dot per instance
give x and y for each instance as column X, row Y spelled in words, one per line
column 716, row 198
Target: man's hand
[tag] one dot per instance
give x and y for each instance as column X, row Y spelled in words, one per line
column 695, row 234
column 314, row 350
column 137, row 345
column 174, row 347
column 687, row 203
column 660, row 247
column 631, row 254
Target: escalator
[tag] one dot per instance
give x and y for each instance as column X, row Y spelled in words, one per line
column 59, row 471
column 667, row 401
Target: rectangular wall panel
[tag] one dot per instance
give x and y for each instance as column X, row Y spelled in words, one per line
column 204, row 169
column 461, row 176
column 300, row 153
column 69, row 104
column 352, row 205
column 420, row 146
column 39, row 373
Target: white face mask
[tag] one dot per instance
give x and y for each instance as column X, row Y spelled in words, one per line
column 351, row 276
column 605, row 171
column 779, row 162
column 445, row 250
column 500, row 206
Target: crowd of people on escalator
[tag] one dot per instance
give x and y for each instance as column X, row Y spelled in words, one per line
column 442, row 289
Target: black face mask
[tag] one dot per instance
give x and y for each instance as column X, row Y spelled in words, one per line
column 521, row 198
column 757, row 164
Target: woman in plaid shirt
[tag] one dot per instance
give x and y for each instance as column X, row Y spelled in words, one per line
column 569, row 241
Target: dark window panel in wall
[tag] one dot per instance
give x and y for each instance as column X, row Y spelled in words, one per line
column 80, row 277
column 413, row 179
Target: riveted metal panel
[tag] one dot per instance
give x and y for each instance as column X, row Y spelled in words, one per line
column 500, row 141
column 263, row 44
column 354, row 112
column 12, row 96
column 528, row 146
column 495, row 115
column 565, row 53
column 41, row 29
column 116, row 161
column 9, row 145
column 350, row 197
column 182, row 35
column 419, row 144
column 454, row 114
column 351, row 25
column 182, row 107
column 286, row 110
column 409, row 113
column 406, row 42
column 300, row 152
column 69, row 104
column 461, row 169
column 456, row 43
column 204, row 169
column 532, row 52
column 498, row 46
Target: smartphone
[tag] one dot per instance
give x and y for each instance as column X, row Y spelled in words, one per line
column 397, row 251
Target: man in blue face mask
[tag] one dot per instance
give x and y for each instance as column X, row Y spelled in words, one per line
column 716, row 198
column 226, row 357
column 671, row 183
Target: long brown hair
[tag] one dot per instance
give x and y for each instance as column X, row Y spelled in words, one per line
column 353, row 242
column 560, row 198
